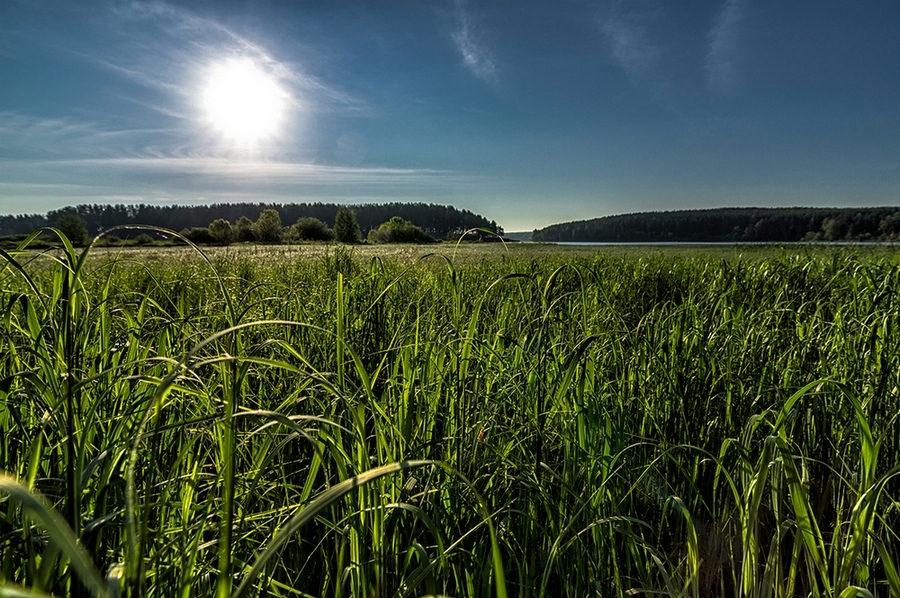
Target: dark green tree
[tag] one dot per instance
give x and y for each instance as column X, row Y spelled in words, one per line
column 243, row 230
column 398, row 230
column 346, row 228
column 73, row 227
column 436, row 220
column 221, row 231
column 268, row 226
column 311, row 229
column 198, row 234
column 834, row 228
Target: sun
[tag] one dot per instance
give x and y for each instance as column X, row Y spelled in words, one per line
column 242, row 101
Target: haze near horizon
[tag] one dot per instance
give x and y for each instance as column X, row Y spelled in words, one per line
column 530, row 113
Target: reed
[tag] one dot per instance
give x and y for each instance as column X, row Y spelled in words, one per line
column 251, row 423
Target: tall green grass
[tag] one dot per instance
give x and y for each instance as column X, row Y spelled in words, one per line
column 251, row 424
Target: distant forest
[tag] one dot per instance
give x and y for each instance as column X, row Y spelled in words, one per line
column 436, row 220
column 733, row 225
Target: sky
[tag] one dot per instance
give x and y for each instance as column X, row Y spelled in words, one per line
column 527, row 112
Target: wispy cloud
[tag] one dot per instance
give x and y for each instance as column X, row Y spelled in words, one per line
column 32, row 137
column 66, row 137
column 50, row 183
column 630, row 47
column 722, row 47
column 252, row 172
column 63, row 160
column 169, row 47
column 660, row 55
column 164, row 52
column 474, row 55
column 637, row 45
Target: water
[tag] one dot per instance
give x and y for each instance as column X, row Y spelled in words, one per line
column 720, row 243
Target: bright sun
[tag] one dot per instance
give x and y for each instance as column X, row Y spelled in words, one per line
column 242, row 101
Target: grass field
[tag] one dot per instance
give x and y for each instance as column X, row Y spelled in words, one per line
column 464, row 421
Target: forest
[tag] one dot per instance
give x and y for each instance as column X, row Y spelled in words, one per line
column 734, row 225
column 436, row 220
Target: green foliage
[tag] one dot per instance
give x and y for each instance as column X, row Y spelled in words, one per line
column 248, row 423
column 73, row 227
column 436, row 220
column 267, row 227
column 346, row 229
column 398, row 230
column 110, row 241
column 199, row 234
column 221, row 231
column 244, row 230
column 733, row 225
column 311, row 229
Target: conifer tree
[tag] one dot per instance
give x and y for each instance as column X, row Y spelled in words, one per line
column 346, row 229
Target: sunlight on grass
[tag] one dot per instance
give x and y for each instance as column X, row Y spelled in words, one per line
column 404, row 422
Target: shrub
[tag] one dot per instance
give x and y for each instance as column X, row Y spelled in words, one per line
column 398, row 230
column 198, row 234
column 311, row 229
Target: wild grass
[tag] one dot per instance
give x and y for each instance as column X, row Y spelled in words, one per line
column 286, row 423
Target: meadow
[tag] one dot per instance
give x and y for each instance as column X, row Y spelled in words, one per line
column 477, row 420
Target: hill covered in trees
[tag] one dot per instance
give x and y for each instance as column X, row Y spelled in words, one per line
column 437, row 220
column 735, row 225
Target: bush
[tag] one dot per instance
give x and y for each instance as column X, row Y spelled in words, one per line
column 199, row 235
column 311, row 229
column 398, row 230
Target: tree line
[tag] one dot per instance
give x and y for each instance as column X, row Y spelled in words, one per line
column 734, row 225
column 438, row 221
column 268, row 228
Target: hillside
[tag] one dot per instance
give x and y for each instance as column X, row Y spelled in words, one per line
column 736, row 225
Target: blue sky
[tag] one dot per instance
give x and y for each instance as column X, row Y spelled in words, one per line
column 527, row 112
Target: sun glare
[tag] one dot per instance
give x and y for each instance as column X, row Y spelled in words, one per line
column 242, row 101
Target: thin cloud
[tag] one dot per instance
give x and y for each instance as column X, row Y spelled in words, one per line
column 253, row 171
column 164, row 49
column 657, row 56
column 474, row 55
column 65, row 151
column 632, row 31
column 722, row 47
column 33, row 136
column 36, row 137
column 646, row 62
column 173, row 45
column 138, row 76
column 631, row 48
column 191, row 179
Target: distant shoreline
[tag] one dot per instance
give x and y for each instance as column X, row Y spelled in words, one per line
column 733, row 226
column 718, row 243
